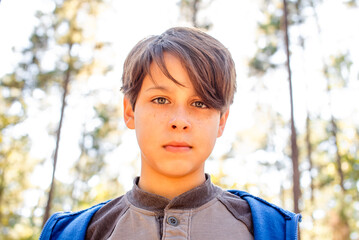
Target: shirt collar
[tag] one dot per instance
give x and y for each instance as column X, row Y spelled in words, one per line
column 193, row 198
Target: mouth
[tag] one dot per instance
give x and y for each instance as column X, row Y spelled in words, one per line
column 177, row 147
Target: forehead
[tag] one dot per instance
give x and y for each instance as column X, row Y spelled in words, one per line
column 169, row 70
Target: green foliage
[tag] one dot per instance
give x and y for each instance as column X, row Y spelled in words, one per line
column 15, row 170
column 337, row 71
column 272, row 25
column 190, row 11
column 15, row 163
column 269, row 33
column 95, row 145
column 261, row 62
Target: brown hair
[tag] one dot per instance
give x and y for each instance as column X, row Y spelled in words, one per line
column 208, row 63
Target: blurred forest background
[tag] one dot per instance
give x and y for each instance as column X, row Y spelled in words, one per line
column 293, row 132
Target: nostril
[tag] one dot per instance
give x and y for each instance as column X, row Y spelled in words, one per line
column 174, row 126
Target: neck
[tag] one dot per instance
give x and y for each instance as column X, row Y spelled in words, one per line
column 170, row 186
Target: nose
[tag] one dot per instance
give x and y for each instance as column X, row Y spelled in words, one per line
column 180, row 121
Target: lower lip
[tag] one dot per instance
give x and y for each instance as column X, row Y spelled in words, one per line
column 177, row 149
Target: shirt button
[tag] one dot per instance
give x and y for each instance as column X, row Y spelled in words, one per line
column 172, row 221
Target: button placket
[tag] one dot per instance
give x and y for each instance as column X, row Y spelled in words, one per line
column 176, row 225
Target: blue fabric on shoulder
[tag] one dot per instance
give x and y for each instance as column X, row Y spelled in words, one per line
column 69, row 225
column 269, row 220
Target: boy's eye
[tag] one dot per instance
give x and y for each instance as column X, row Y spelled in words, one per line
column 160, row 100
column 199, row 104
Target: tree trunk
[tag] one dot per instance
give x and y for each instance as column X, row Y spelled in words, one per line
column 195, row 13
column 58, row 136
column 2, row 186
column 309, row 156
column 338, row 157
column 294, row 147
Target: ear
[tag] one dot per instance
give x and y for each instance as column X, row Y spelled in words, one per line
column 222, row 122
column 128, row 113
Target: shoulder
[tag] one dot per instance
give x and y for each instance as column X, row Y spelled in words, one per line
column 273, row 220
column 69, row 225
column 105, row 219
column 261, row 204
column 238, row 207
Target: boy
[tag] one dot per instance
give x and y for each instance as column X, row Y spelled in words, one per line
column 177, row 91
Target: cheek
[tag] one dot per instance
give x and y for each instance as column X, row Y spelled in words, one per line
column 154, row 118
column 149, row 121
column 208, row 128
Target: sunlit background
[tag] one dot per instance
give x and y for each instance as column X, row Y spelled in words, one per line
column 45, row 44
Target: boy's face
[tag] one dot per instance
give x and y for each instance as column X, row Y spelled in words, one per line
column 176, row 132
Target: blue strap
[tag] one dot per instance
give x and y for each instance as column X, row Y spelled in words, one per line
column 269, row 220
column 69, row 225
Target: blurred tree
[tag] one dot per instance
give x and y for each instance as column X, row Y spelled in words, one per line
column 294, row 147
column 15, row 164
column 336, row 75
column 341, row 150
column 326, row 144
column 96, row 142
column 274, row 39
column 190, row 10
column 63, row 48
column 69, row 28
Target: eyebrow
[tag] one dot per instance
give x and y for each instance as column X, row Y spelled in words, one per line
column 161, row 88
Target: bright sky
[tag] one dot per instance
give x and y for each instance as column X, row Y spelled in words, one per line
column 234, row 25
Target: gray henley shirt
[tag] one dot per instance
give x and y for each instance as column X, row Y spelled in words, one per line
column 204, row 213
